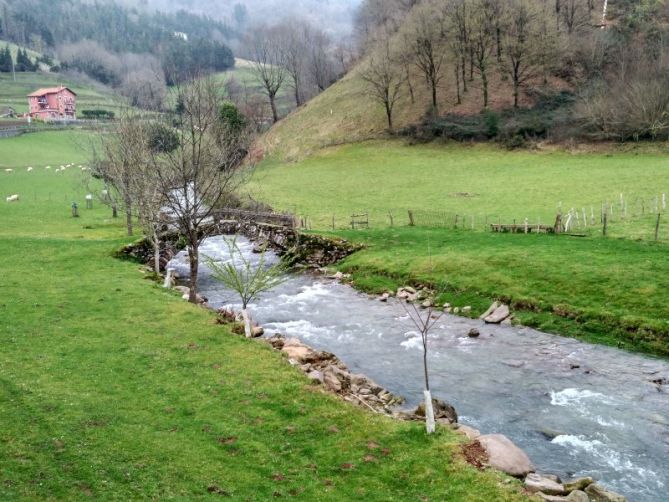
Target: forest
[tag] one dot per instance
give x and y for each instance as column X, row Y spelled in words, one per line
column 598, row 68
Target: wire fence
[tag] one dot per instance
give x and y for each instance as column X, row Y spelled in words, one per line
column 633, row 217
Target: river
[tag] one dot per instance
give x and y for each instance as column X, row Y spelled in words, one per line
column 577, row 409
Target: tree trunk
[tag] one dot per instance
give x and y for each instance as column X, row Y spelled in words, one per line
column 128, row 218
column 298, row 100
column 516, row 85
column 389, row 114
column 429, row 412
column 413, row 98
column 484, row 82
column 114, row 211
column 272, row 103
column 247, row 323
column 156, row 252
column 457, row 83
column 464, row 73
column 193, row 258
column 435, row 109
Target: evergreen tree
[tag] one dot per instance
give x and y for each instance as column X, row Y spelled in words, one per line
column 5, row 60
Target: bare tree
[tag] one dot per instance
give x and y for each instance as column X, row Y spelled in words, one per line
column 425, row 41
column 482, row 41
column 384, row 78
column 119, row 152
column 319, row 60
column 202, row 170
column 245, row 278
column 460, row 46
column 292, row 38
column 268, row 63
column 520, row 43
column 424, row 321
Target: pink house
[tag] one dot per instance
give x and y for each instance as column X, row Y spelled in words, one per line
column 55, row 103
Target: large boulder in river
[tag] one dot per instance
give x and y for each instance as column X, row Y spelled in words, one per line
column 597, row 493
column 442, row 410
column 498, row 315
column 505, row 456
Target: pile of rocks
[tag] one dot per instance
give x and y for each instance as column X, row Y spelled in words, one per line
column 500, row 453
column 328, row 370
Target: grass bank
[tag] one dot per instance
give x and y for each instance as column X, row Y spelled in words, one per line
column 113, row 388
column 606, row 290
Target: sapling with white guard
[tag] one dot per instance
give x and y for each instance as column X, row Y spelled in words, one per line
column 424, row 321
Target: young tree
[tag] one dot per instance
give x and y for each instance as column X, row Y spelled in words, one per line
column 460, row 47
column 245, row 278
column 318, row 60
column 384, row 77
column 424, row 321
column 268, row 64
column 204, row 168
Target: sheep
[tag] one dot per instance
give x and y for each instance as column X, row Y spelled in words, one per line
column 9, row 170
column 13, row 198
column 47, row 167
column 29, row 169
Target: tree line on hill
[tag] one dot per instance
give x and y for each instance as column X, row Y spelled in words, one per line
column 611, row 57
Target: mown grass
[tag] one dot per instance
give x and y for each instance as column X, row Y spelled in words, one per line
column 609, row 290
column 13, row 93
column 113, row 388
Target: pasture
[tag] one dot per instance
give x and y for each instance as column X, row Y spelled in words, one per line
column 114, row 388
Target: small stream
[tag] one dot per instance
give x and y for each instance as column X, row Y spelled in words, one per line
column 576, row 409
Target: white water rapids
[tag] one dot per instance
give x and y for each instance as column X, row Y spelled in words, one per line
column 576, row 409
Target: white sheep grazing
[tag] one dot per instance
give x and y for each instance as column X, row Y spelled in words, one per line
column 13, row 198
column 29, row 169
column 47, row 167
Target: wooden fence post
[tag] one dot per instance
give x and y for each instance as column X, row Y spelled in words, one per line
column 390, row 214
column 333, row 222
column 456, row 221
column 657, row 227
column 411, row 223
column 604, row 228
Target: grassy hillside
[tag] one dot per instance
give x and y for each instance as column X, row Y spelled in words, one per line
column 89, row 96
column 51, row 148
column 113, row 388
column 602, row 289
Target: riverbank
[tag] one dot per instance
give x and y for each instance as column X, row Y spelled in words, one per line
column 113, row 387
column 609, row 292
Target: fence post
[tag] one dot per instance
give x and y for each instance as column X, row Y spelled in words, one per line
column 456, row 221
column 411, row 224
column 657, row 227
column 526, row 225
column 390, row 214
column 333, row 222
column 606, row 220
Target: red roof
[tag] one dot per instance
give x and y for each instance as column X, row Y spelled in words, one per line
column 49, row 90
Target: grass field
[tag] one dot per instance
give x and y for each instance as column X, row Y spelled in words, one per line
column 114, row 389
column 482, row 182
column 606, row 290
column 13, row 93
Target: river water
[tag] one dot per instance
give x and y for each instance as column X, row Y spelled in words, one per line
column 576, row 409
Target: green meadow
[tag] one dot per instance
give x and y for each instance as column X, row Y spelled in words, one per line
column 113, row 388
